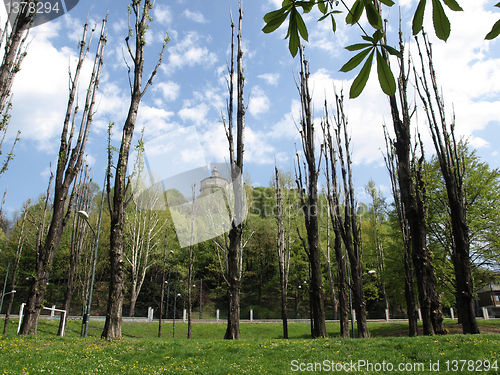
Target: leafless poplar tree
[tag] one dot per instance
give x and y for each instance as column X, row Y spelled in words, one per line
column 348, row 223
column 310, row 203
column 117, row 196
column 333, row 198
column 390, row 161
column 235, row 233
column 413, row 205
column 453, row 169
column 69, row 163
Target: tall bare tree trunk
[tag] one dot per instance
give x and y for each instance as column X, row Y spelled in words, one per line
column 350, row 230
column 411, row 310
column 235, row 233
column 69, row 164
column 336, row 219
column 414, row 209
column 310, row 205
column 453, row 169
column 118, row 202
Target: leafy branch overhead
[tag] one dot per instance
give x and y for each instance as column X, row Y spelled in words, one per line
column 495, row 30
column 297, row 30
column 385, row 76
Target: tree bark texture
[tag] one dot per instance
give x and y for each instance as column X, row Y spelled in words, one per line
column 390, row 160
column 413, row 208
column 310, row 206
column 452, row 168
column 235, row 233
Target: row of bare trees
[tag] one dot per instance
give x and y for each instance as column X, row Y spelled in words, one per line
column 406, row 170
column 74, row 137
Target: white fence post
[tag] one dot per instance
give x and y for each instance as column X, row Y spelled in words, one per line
column 452, row 313
column 21, row 311
column 251, row 315
column 217, row 315
column 150, row 314
column 485, row 313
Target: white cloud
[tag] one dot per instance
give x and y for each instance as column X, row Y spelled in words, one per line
column 257, row 147
column 120, row 27
column 270, row 78
column 194, row 16
column 210, row 95
column 285, row 128
column 156, row 121
column 190, row 51
column 162, row 14
column 214, row 143
column 39, row 108
column 196, row 114
column 259, row 102
column 170, row 90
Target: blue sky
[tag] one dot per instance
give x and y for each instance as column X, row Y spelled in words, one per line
column 181, row 112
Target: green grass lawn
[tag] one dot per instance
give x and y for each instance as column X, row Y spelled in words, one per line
column 261, row 350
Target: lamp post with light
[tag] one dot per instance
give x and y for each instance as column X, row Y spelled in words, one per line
column 3, row 295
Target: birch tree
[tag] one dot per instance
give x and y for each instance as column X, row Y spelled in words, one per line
column 144, row 225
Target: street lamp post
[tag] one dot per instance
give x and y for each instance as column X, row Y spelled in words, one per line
column 3, row 295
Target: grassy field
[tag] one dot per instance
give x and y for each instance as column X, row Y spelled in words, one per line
column 261, row 350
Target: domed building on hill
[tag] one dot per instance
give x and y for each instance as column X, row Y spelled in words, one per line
column 213, row 183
